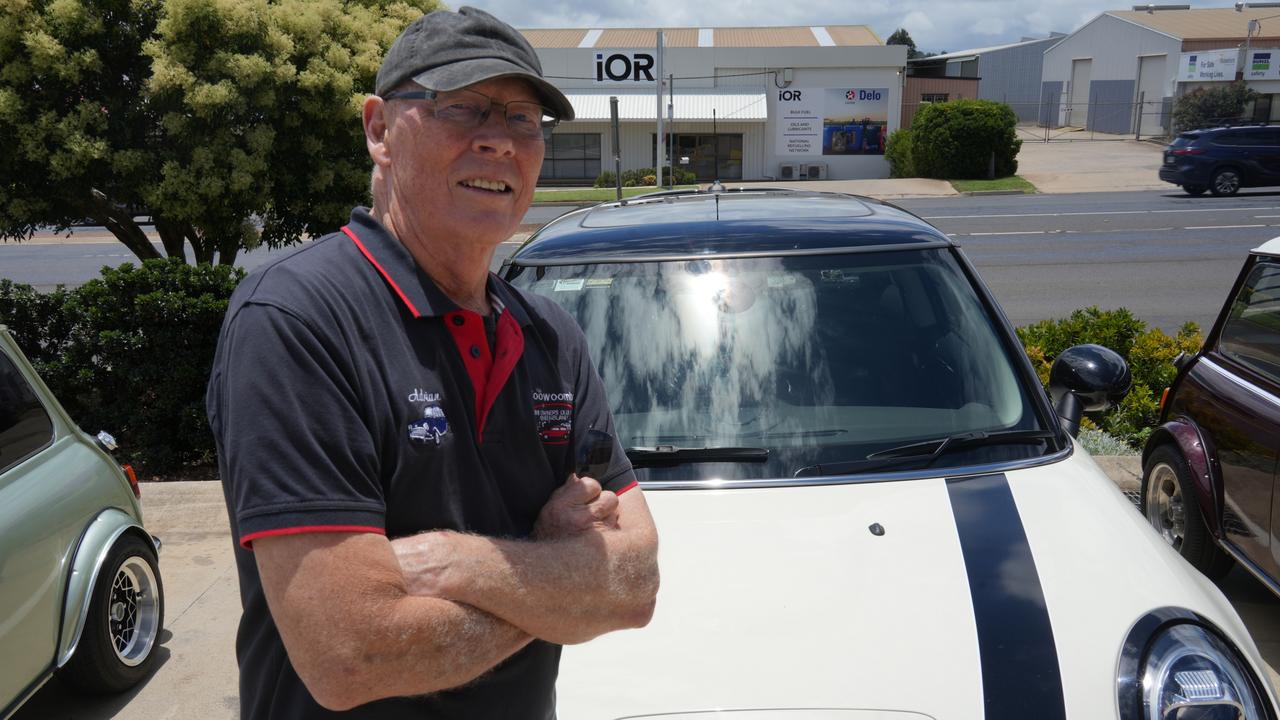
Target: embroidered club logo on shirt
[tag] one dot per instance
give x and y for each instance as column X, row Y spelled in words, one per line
column 433, row 426
column 554, row 414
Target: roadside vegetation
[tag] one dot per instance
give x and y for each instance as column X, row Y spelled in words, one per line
column 1212, row 107
column 956, row 140
column 596, row 194
column 641, row 177
column 130, row 353
column 1013, row 182
column 1149, row 353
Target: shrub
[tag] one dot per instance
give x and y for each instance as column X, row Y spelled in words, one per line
column 898, row 153
column 1100, row 442
column 1150, row 355
column 606, row 179
column 130, row 353
column 640, row 177
column 955, row 140
column 1209, row 107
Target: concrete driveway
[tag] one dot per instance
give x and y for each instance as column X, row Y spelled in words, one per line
column 1072, row 166
column 197, row 673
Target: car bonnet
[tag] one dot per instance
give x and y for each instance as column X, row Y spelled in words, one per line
column 942, row 596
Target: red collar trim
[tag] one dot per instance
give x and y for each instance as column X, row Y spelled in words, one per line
column 381, row 270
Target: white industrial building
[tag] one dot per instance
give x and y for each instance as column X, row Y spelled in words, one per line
column 748, row 103
column 1121, row 71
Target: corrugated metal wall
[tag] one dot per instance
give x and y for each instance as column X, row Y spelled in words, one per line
column 1013, row 76
column 1050, row 101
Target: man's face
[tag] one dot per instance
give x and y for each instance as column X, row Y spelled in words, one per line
column 471, row 185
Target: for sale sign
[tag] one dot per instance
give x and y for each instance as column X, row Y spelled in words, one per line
column 1209, row 66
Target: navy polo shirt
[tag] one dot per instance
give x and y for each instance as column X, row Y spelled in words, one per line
column 349, row 394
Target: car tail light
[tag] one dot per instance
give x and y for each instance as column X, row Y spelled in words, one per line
column 133, row 480
column 1187, row 151
column 1163, row 397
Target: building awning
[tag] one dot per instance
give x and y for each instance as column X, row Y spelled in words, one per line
column 691, row 106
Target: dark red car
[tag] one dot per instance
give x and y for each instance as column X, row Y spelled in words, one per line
column 1209, row 471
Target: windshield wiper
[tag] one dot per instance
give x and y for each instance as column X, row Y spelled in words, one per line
column 925, row 452
column 666, row 455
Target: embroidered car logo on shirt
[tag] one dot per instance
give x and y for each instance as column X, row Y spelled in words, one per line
column 431, row 427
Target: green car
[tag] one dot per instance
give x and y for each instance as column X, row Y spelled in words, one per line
column 80, row 591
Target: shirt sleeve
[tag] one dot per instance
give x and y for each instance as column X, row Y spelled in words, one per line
column 297, row 452
column 591, row 408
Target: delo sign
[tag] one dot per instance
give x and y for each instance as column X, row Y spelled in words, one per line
column 620, row 67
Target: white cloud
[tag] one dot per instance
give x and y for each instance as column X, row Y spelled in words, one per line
column 935, row 26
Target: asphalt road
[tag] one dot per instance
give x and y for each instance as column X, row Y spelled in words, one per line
column 1167, row 257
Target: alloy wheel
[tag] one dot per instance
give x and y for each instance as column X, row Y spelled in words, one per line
column 1226, row 182
column 1165, row 509
column 134, row 611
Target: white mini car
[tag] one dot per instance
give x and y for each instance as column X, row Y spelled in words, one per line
column 868, row 507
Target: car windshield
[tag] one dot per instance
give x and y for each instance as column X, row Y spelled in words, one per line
column 1184, row 140
column 821, row 360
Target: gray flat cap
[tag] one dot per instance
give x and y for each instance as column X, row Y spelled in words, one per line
column 445, row 50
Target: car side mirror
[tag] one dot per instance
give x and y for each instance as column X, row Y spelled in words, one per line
column 1087, row 378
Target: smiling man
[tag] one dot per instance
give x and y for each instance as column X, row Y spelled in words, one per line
column 413, row 539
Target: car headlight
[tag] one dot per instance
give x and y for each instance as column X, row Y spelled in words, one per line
column 1191, row 674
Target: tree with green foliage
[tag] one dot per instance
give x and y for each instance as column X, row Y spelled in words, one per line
column 231, row 123
column 902, row 37
column 1210, row 107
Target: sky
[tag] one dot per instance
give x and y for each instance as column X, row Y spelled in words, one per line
column 935, row 25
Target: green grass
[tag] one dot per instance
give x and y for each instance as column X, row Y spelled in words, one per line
column 1009, row 183
column 595, row 194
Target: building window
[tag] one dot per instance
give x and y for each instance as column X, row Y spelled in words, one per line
column 572, row 156
column 710, row 157
column 933, row 97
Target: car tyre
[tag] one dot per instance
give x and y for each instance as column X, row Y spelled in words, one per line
column 1194, row 189
column 1172, row 507
column 1225, row 182
column 117, row 648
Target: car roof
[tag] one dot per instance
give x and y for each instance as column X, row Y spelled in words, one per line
column 739, row 222
column 1270, row 247
column 1228, row 128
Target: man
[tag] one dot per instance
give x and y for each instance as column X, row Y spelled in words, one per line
column 413, row 541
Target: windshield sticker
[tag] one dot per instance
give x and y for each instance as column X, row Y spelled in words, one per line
column 599, row 282
column 780, row 281
column 570, row 285
column 837, row 276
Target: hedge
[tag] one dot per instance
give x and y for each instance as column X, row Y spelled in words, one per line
column 955, row 140
column 130, row 353
column 641, row 177
column 1150, row 355
column 898, row 152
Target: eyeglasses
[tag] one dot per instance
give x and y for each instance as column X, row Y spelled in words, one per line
column 469, row 109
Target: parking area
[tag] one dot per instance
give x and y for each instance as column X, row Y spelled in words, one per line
column 197, row 677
